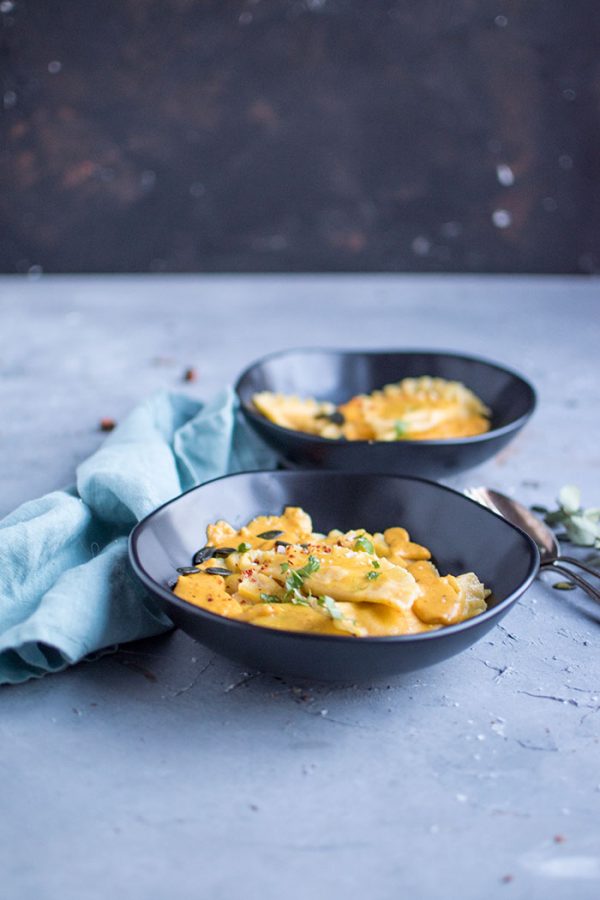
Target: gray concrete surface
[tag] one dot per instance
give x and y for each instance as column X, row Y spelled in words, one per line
column 163, row 770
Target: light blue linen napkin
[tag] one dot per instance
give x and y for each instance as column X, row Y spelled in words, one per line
column 66, row 586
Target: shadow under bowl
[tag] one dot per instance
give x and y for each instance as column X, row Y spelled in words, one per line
column 337, row 375
column 462, row 536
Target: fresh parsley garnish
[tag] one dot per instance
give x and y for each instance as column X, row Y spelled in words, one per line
column 295, row 581
column 371, row 576
column 329, row 605
column 243, row 547
column 271, row 598
column 363, row 543
column 400, row 428
column 376, row 564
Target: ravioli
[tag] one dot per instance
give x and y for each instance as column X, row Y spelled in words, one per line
column 415, row 409
column 276, row 572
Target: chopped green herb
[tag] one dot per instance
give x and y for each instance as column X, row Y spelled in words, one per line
column 371, row 576
column 329, row 605
column 271, row 598
column 243, row 547
column 400, row 428
column 296, row 577
column 313, row 565
column 376, row 564
column 363, row 543
column 294, row 581
column 294, row 597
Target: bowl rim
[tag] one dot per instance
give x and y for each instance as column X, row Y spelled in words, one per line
column 276, row 633
column 303, row 437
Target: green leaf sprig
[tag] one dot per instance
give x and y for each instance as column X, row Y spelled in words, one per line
column 293, row 584
column 362, row 542
column 329, row 606
column 582, row 526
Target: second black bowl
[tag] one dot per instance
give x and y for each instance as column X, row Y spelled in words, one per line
column 337, row 375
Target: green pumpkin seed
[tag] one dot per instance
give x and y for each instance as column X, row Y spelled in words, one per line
column 188, row 570
column 270, row 535
column 217, row 570
column 564, row 586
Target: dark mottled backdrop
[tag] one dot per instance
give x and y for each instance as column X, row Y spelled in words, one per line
column 184, row 135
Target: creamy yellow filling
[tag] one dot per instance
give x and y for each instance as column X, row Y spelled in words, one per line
column 278, row 573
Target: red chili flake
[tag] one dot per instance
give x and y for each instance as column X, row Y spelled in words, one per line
column 506, row 879
column 190, row 374
column 107, row 424
column 559, row 839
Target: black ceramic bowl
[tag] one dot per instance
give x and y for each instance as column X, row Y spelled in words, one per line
column 337, row 375
column 462, row 536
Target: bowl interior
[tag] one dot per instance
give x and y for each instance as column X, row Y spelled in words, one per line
column 338, row 375
column 462, row 535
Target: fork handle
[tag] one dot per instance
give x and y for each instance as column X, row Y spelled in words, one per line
column 575, row 562
column 576, row 579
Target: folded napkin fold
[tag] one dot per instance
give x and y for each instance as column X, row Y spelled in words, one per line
column 66, row 586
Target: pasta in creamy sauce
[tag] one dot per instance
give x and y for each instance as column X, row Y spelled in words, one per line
column 413, row 409
column 278, row 573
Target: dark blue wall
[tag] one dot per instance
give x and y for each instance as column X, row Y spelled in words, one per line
column 192, row 135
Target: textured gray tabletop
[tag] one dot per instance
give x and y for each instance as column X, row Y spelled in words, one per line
column 165, row 771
